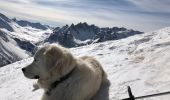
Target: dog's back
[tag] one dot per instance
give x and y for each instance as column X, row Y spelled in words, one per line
column 96, row 65
column 83, row 84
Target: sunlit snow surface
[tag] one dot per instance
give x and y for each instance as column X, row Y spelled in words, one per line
column 141, row 61
column 28, row 33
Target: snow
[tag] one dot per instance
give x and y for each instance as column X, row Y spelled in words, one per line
column 141, row 62
column 14, row 49
column 28, row 33
column 9, row 50
column 82, row 42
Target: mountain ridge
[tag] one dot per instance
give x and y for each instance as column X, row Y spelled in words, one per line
column 69, row 35
column 28, row 35
column 25, row 23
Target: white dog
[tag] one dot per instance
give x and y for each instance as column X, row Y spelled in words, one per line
column 64, row 77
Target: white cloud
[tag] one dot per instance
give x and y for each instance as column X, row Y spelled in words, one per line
column 137, row 14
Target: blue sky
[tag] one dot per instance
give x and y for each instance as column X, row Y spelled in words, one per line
column 143, row 15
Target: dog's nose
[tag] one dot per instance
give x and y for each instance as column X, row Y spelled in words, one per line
column 23, row 69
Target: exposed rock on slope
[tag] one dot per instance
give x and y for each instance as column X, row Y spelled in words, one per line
column 82, row 34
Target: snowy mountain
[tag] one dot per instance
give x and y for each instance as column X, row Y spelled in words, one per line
column 25, row 23
column 24, row 30
column 141, row 61
column 23, row 35
column 4, row 23
column 9, row 50
column 82, row 34
column 28, row 34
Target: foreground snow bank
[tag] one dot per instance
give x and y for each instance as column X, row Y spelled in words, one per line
column 141, row 61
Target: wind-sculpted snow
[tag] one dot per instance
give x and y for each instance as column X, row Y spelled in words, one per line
column 140, row 61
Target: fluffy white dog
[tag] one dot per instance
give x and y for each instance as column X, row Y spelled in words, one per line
column 64, row 77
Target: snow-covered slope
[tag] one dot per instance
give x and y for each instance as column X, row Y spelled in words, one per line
column 25, row 23
column 141, row 61
column 4, row 23
column 24, row 30
column 9, row 50
column 17, row 37
column 28, row 33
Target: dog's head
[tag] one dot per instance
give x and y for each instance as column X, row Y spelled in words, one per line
column 46, row 59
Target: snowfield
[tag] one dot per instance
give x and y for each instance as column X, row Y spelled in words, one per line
column 140, row 61
column 28, row 33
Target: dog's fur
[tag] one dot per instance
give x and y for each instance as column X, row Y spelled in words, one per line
column 53, row 61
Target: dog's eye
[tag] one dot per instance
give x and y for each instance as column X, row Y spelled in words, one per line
column 35, row 60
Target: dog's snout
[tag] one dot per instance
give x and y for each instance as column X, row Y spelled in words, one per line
column 23, row 69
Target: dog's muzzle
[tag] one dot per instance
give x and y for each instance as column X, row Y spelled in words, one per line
column 34, row 77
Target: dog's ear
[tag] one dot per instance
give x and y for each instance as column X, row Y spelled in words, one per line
column 53, row 55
